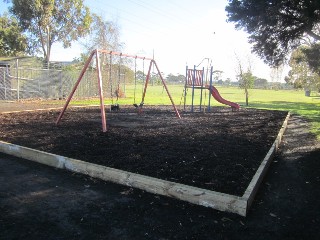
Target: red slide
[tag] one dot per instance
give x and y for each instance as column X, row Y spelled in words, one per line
column 215, row 93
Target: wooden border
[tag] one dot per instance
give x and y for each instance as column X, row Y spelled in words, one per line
column 203, row 197
column 220, row 201
column 262, row 170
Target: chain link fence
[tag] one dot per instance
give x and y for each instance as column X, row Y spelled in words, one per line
column 29, row 80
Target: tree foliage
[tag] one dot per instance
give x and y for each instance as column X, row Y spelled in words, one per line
column 275, row 26
column 217, row 75
column 246, row 80
column 50, row 21
column 175, row 78
column 12, row 40
column 312, row 55
column 261, row 83
column 300, row 75
column 103, row 35
column 245, row 77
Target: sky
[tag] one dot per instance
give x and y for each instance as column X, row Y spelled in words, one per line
column 178, row 33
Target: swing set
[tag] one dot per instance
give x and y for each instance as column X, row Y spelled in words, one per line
column 96, row 53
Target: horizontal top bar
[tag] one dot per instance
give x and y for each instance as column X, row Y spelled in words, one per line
column 122, row 54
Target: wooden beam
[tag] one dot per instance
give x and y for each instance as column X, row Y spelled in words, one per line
column 264, row 166
column 203, row 197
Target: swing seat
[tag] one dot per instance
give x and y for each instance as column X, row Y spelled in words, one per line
column 115, row 107
column 140, row 105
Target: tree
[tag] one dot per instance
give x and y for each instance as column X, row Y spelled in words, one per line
column 12, row 40
column 140, row 76
column 300, row 74
column 175, row 78
column 228, row 81
column 261, row 83
column 245, row 78
column 312, row 55
column 276, row 26
column 217, row 75
column 50, row 21
column 103, row 35
column 246, row 82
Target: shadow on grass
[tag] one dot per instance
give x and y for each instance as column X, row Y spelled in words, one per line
column 312, row 109
column 308, row 110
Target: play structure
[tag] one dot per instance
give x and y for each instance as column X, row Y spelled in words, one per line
column 95, row 59
column 199, row 79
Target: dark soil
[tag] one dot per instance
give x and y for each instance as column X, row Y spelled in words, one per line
column 218, row 151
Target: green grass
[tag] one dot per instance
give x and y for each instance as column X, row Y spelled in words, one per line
column 293, row 101
column 287, row 100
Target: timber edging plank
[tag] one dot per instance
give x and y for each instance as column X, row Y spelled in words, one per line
column 220, row 201
column 199, row 196
column 262, row 170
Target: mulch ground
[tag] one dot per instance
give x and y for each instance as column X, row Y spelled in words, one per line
column 40, row 202
column 218, row 151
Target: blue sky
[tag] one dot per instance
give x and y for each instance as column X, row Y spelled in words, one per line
column 179, row 32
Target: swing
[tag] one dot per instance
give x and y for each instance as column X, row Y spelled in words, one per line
column 135, row 85
column 95, row 56
column 135, row 81
column 117, row 92
column 113, row 107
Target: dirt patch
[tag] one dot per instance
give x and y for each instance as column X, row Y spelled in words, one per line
column 218, row 151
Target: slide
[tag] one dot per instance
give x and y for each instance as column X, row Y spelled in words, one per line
column 215, row 93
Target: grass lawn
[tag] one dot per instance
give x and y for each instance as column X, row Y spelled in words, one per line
column 289, row 100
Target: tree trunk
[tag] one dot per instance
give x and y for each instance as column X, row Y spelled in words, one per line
column 247, row 97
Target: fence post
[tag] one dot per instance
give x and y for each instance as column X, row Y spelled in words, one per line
column 18, row 82
column 5, row 85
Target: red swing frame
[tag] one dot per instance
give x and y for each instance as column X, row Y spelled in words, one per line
column 98, row 69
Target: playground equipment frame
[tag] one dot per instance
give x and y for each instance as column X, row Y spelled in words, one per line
column 98, row 69
column 195, row 80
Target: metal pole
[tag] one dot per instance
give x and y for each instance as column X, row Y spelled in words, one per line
column 18, row 81
column 209, row 107
column 185, row 90
column 119, row 78
column 201, row 93
column 124, row 82
column 135, row 80
column 193, row 80
column 103, row 114
column 5, row 84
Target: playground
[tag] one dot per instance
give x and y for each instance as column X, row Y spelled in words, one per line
column 218, row 149
column 44, row 202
